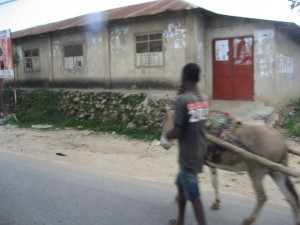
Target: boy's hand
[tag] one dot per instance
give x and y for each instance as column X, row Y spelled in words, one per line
column 165, row 142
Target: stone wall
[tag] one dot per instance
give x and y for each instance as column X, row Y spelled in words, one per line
column 128, row 110
column 132, row 110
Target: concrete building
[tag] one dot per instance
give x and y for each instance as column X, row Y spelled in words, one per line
column 145, row 46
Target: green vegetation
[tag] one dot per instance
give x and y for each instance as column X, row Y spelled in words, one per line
column 16, row 57
column 293, row 120
column 41, row 107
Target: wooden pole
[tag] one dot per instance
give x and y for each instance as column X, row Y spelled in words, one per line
column 1, row 97
column 293, row 151
column 251, row 156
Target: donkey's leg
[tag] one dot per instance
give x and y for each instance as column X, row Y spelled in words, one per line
column 215, row 184
column 256, row 173
column 287, row 188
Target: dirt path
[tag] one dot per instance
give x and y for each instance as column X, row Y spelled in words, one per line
column 116, row 155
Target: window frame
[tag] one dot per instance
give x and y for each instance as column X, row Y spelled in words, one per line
column 74, row 56
column 34, row 55
column 140, row 38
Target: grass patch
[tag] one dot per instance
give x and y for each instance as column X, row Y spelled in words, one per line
column 41, row 107
column 293, row 120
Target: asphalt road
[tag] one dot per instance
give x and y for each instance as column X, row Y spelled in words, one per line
column 33, row 192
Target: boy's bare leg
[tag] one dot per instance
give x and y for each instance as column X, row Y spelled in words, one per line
column 181, row 209
column 199, row 212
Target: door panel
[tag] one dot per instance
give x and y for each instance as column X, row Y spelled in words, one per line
column 233, row 68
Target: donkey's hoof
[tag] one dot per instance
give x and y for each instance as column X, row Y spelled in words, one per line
column 248, row 221
column 215, row 206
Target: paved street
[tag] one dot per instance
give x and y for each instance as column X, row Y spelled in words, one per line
column 46, row 194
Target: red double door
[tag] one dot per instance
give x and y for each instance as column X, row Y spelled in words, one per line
column 233, row 68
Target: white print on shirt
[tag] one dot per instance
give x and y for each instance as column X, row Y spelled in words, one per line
column 198, row 111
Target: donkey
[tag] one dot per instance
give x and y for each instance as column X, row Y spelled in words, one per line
column 257, row 139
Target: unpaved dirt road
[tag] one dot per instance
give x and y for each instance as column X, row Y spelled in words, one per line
column 118, row 156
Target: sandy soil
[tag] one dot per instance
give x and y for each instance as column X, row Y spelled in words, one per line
column 116, row 155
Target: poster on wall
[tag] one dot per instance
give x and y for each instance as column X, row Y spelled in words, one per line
column 6, row 58
column 222, row 50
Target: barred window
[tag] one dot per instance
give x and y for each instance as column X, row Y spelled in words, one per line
column 73, row 57
column 32, row 60
column 149, row 50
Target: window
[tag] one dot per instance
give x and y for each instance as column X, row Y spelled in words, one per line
column 73, row 57
column 149, row 50
column 32, row 60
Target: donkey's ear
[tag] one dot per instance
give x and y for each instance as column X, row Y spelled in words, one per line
column 236, row 124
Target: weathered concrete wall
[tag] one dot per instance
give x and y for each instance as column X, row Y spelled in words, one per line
column 95, row 52
column 265, row 64
column 195, row 51
column 125, row 73
column 95, row 71
column 37, row 78
column 287, row 69
column 264, row 51
column 183, row 38
column 110, row 52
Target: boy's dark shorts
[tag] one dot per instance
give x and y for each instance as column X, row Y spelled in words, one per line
column 187, row 180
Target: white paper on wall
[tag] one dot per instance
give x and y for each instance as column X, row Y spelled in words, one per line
column 222, row 50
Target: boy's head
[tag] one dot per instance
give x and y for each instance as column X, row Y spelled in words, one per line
column 191, row 73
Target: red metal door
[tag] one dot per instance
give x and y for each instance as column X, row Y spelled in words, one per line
column 233, row 68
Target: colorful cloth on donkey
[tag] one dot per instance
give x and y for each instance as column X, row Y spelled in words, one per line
column 220, row 125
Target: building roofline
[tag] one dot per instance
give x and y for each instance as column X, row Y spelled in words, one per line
column 133, row 11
